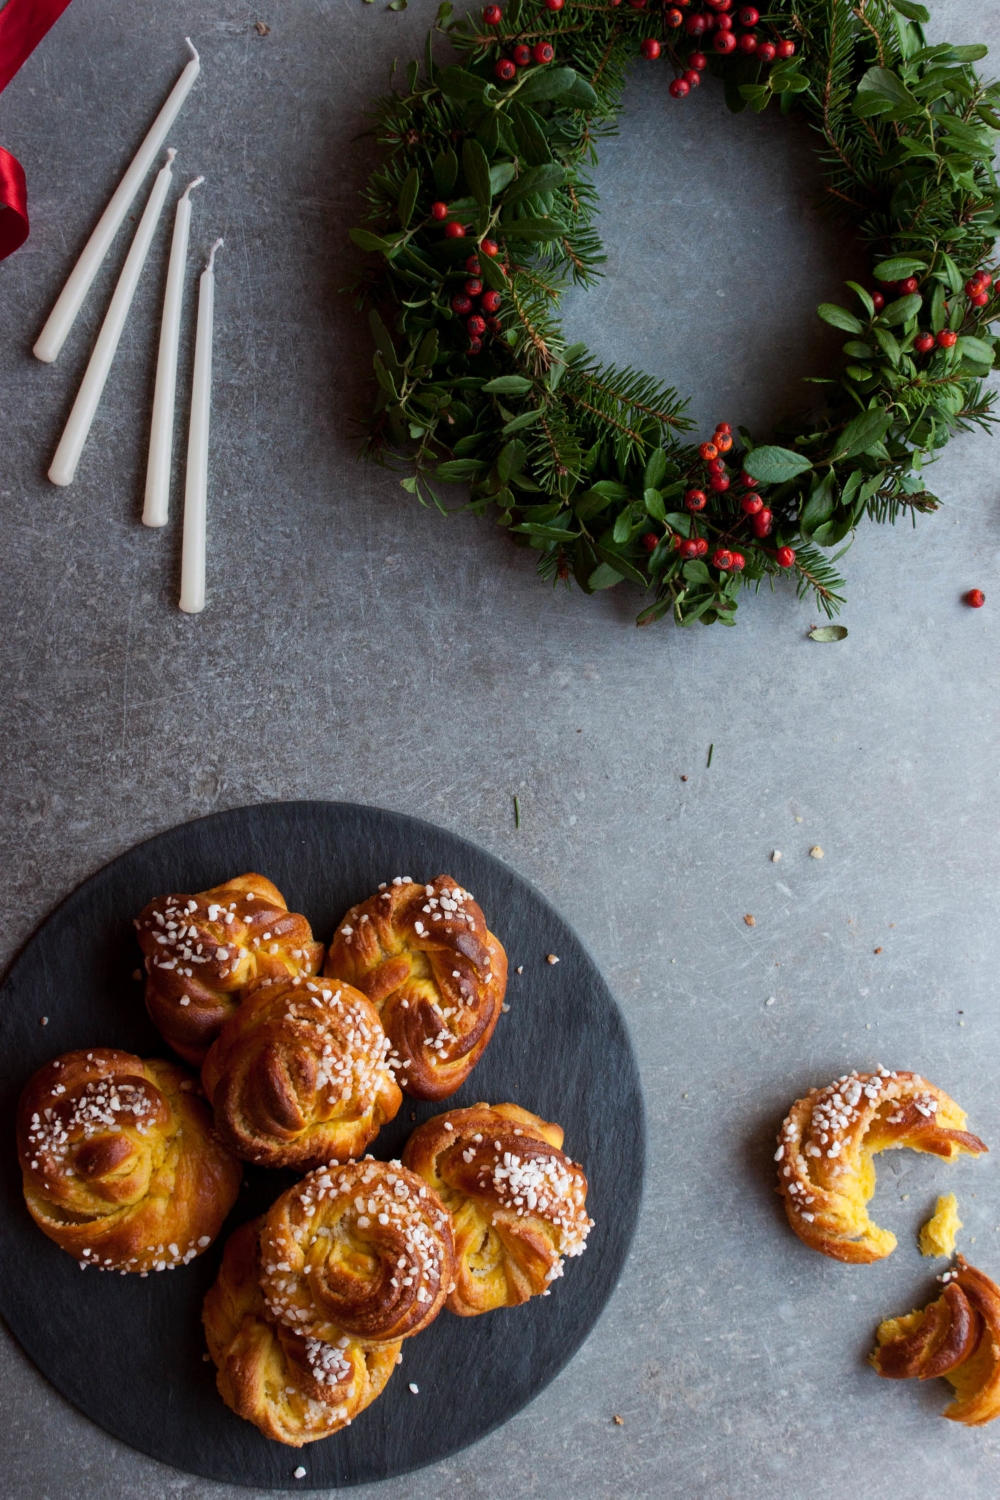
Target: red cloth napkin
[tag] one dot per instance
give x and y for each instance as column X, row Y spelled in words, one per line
column 23, row 23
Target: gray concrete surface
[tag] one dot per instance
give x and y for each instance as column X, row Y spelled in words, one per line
column 356, row 646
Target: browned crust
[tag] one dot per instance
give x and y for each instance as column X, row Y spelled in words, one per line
column 124, row 1190
column 434, row 972
column 191, row 992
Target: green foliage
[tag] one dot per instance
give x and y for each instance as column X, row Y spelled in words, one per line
column 587, row 465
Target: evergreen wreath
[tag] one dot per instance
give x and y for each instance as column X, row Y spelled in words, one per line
column 482, row 211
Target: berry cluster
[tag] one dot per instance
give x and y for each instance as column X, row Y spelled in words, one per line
column 977, row 289
column 522, row 56
column 729, row 32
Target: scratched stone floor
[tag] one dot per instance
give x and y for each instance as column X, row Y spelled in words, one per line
column 358, row 647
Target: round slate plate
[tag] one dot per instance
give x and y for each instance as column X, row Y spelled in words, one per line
column 128, row 1352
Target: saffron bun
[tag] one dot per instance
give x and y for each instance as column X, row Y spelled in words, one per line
column 300, row 1074
column 363, row 1249
column 121, row 1163
column 826, row 1173
column 957, row 1336
column 518, row 1204
column 203, row 953
column 436, row 975
column 295, row 1389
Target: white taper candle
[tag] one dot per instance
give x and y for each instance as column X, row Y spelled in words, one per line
column 70, row 300
column 88, row 397
column 192, row 600
column 161, row 431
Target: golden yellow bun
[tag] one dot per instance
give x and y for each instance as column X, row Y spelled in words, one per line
column 122, row 1166
column 295, row 1389
column 423, row 956
column 204, row 952
column 825, row 1170
column 364, row 1249
column 958, row 1336
column 300, row 1075
column 517, row 1202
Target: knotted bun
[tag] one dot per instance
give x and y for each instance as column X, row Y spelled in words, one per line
column 363, row 1249
column 300, row 1075
column 437, row 977
column 826, row 1174
column 518, row 1204
column 121, row 1164
column 204, row 952
column 295, row 1389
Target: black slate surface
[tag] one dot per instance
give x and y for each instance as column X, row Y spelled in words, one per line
column 128, row 1352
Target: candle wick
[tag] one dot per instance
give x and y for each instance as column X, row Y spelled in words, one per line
column 211, row 255
column 171, row 153
column 197, row 181
column 194, row 50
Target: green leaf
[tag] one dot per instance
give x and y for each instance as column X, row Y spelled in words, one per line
column 775, row 465
column 384, row 344
column 508, row 385
column 656, row 469
column 990, row 116
column 546, row 533
column 526, row 419
column 445, row 172
column 819, row 507
column 976, row 349
column 622, row 527
column 828, row 633
column 865, row 296
column 653, row 501
column 457, row 469
column 408, row 196
column 546, row 83
column 881, row 92
column 511, row 460
column 839, row 317
column 365, row 240
column 531, row 139
column 457, row 83
column 580, row 95
column 913, row 12
column 620, row 564
column 500, row 176
column 477, row 172
column 695, row 571
column 899, row 267
column 535, row 229
column 887, row 343
column 653, row 612
column 862, row 434
column 604, row 576
column 427, row 348
column 543, row 179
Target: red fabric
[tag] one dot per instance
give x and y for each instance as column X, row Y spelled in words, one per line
column 23, row 23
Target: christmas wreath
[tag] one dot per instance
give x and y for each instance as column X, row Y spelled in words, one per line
column 482, row 211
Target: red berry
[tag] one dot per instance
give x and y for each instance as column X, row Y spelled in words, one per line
column 490, row 248
column 473, row 286
column 786, row 49
column 924, row 343
column 878, row 300
column 679, row 89
column 650, row 541
column 650, row 48
column 522, row 54
column 748, row 42
column 715, row 466
column 543, row 52
column 461, row 304
column 723, row 441
column 747, row 16
column 494, row 325
column 723, row 427
column 722, row 559
column 695, row 499
column 472, row 265
column 673, row 19
column 454, row 231
column 723, row 23
column 748, row 480
column 785, row 557
column 476, row 326
column 724, row 41
column 974, row 287
column 505, row 70
column 702, row 546
column 985, row 278
column 719, row 482
column 554, row 4
column 767, row 52
column 699, row 61
column 947, row 339
column 638, row 4
column 909, row 286
column 720, row 4
column 491, row 302
column 975, row 598
column 980, row 299
column 760, row 524
column 493, row 15
column 691, row 77
column 475, row 346
column 689, row 547
column 439, row 210
column 752, row 504
column 739, row 561
column 708, row 450
column 696, row 25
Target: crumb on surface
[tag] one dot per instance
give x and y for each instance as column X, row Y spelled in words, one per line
column 775, row 856
column 815, row 852
column 751, row 921
column 550, row 958
column 619, row 1421
column 262, row 29
column 937, row 1236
